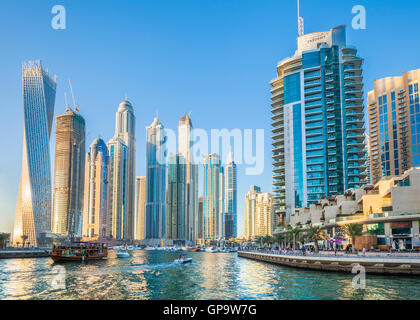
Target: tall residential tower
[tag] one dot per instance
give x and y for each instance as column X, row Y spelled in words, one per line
column 33, row 209
column 394, row 124
column 317, row 121
column 155, row 182
column 69, row 174
column 96, row 212
column 231, row 201
column 185, row 143
column 125, row 129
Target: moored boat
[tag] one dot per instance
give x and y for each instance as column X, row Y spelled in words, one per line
column 79, row 251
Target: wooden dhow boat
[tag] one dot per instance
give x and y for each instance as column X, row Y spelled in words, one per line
column 79, row 251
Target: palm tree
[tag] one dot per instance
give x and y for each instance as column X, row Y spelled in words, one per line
column 353, row 230
column 24, row 238
column 3, row 238
column 278, row 237
column 315, row 233
column 294, row 232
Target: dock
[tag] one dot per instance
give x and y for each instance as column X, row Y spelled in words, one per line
column 373, row 265
column 22, row 253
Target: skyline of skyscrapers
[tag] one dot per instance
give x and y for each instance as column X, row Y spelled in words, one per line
column 33, row 209
column 323, row 86
column 69, row 173
column 394, row 124
column 317, row 122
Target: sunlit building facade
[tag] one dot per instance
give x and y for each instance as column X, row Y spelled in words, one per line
column 96, row 209
column 185, row 143
column 212, row 198
column 250, row 208
column 394, row 124
column 156, row 181
column 317, row 122
column 69, row 174
column 125, row 129
column 231, row 201
column 118, row 188
column 33, row 209
column 140, row 207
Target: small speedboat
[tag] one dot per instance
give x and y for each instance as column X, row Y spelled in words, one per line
column 123, row 254
column 183, row 259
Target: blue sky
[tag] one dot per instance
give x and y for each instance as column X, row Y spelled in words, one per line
column 213, row 58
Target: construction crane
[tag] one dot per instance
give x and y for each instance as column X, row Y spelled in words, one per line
column 76, row 107
column 68, row 108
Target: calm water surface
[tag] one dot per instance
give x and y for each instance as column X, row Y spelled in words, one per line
column 153, row 275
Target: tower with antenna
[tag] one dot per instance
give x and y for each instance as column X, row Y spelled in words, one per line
column 301, row 27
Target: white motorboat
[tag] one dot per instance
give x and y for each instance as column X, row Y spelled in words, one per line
column 183, row 260
column 123, row 254
column 212, row 249
column 150, row 248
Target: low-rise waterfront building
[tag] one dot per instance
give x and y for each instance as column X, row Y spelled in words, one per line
column 389, row 212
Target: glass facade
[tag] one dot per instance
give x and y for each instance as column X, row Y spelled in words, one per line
column 317, row 122
column 155, row 182
column 33, row 209
column 394, row 124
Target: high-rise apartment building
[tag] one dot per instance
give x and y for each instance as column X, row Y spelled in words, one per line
column 156, row 181
column 96, row 210
column 394, row 125
column 125, row 129
column 317, row 121
column 231, row 201
column 212, row 198
column 200, row 220
column 250, row 205
column 259, row 213
column 185, row 143
column 118, row 157
column 140, row 207
column 33, row 209
column 69, row 174
column 177, row 220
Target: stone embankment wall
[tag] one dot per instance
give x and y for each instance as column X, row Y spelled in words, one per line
column 377, row 265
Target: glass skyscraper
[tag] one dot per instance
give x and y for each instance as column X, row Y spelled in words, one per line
column 212, row 198
column 185, row 143
column 33, row 209
column 177, row 219
column 125, row 129
column 231, row 201
column 155, row 181
column 118, row 187
column 317, row 121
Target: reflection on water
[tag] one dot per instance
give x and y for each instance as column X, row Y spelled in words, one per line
column 154, row 275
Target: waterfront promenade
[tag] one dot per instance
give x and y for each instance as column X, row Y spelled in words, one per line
column 373, row 262
column 19, row 253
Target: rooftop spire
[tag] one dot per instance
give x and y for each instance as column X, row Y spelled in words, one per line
column 301, row 28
